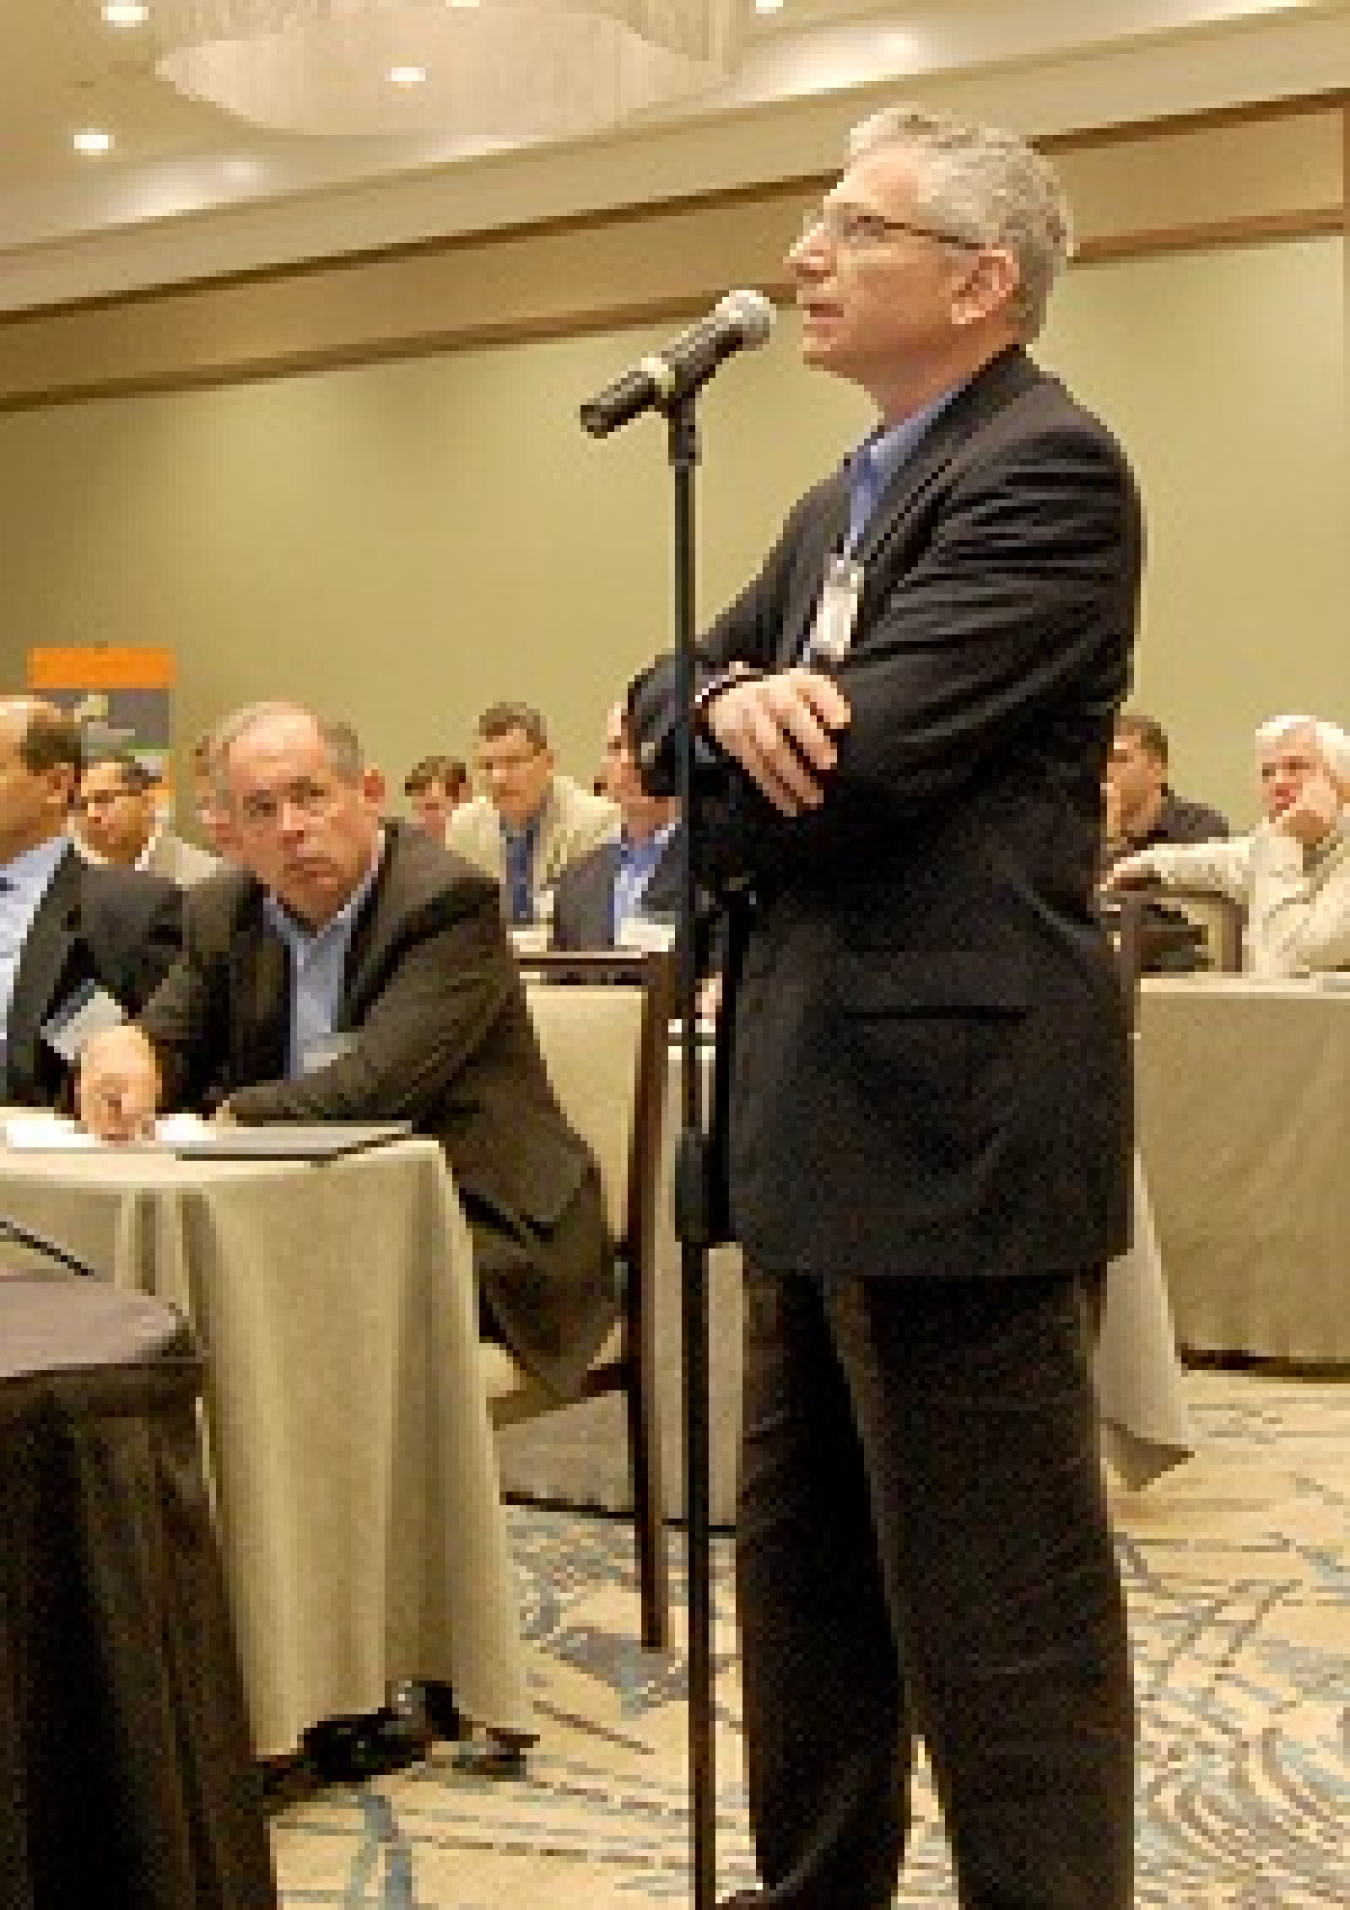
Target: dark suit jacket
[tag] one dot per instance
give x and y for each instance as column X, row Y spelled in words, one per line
column 930, row 1071
column 118, row 928
column 583, row 895
column 440, row 1036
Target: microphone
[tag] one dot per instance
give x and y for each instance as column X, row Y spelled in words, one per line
column 656, row 383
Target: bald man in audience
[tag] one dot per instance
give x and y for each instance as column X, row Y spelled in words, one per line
column 118, row 820
column 76, row 940
column 1292, row 873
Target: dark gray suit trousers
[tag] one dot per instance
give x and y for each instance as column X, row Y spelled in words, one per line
column 923, row 1550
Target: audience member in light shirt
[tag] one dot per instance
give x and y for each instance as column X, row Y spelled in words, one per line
column 1292, row 872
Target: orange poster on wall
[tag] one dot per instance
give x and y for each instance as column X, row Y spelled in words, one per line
column 120, row 694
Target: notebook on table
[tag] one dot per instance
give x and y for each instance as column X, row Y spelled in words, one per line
column 282, row 1140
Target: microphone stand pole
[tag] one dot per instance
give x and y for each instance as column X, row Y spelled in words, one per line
column 692, row 1196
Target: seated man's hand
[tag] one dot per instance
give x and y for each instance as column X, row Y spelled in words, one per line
column 117, row 1092
column 1313, row 812
column 1131, row 872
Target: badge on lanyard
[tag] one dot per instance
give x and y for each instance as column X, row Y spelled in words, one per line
column 832, row 633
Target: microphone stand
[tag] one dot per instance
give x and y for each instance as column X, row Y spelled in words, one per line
column 692, row 1183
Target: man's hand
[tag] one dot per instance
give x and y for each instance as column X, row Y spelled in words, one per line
column 118, row 1088
column 781, row 730
column 1313, row 812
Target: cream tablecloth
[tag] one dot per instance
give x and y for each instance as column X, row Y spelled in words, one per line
column 1244, row 1111
column 353, row 1467
column 580, row 1455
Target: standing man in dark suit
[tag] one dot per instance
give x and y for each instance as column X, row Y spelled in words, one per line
column 905, row 722
column 350, row 969
column 67, row 931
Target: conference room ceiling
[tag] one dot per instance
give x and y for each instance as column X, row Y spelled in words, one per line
column 186, row 192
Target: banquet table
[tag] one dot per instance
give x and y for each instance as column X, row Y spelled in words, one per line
column 350, row 1458
column 1244, row 1104
column 125, row 1753
column 580, row 1456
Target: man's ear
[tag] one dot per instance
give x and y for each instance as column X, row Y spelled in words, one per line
column 990, row 283
column 373, row 786
column 63, row 782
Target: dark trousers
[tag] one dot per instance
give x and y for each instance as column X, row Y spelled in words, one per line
column 923, row 1550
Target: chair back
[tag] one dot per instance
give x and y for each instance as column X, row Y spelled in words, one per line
column 603, row 1024
column 1220, row 919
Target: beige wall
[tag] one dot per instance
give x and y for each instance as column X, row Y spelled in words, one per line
column 415, row 523
column 1224, row 375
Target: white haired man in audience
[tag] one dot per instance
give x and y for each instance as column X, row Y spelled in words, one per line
column 1292, row 873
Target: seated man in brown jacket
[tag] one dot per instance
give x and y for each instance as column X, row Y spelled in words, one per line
column 353, row 969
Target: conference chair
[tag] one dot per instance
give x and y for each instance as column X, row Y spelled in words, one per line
column 1145, row 937
column 1220, row 919
column 603, row 1026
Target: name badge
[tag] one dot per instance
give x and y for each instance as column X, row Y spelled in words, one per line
column 832, row 634
column 647, row 934
column 325, row 1049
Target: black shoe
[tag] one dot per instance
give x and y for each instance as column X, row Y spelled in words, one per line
column 349, row 1750
column 285, row 1779
column 440, row 1713
column 488, row 1753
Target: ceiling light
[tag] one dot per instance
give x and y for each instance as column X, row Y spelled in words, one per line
column 407, row 75
column 91, row 141
column 534, row 67
column 125, row 13
column 768, row 6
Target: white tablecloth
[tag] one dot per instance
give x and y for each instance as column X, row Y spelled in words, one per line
column 353, row 1467
column 1244, row 1109
column 580, row 1455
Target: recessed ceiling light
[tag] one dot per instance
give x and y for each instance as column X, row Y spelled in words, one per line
column 125, row 13
column 407, row 75
column 768, row 6
column 92, row 141
column 463, row 6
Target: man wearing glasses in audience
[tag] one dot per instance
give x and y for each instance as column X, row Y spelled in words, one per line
column 532, row 820
column 118, row 821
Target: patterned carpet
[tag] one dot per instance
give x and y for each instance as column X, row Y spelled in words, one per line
column 1238, row 1574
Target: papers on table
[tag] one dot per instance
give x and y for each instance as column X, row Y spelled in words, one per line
column 38, row 1131
column 41, row 1132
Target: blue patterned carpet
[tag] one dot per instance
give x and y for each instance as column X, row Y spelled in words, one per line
column 1238, row 1572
